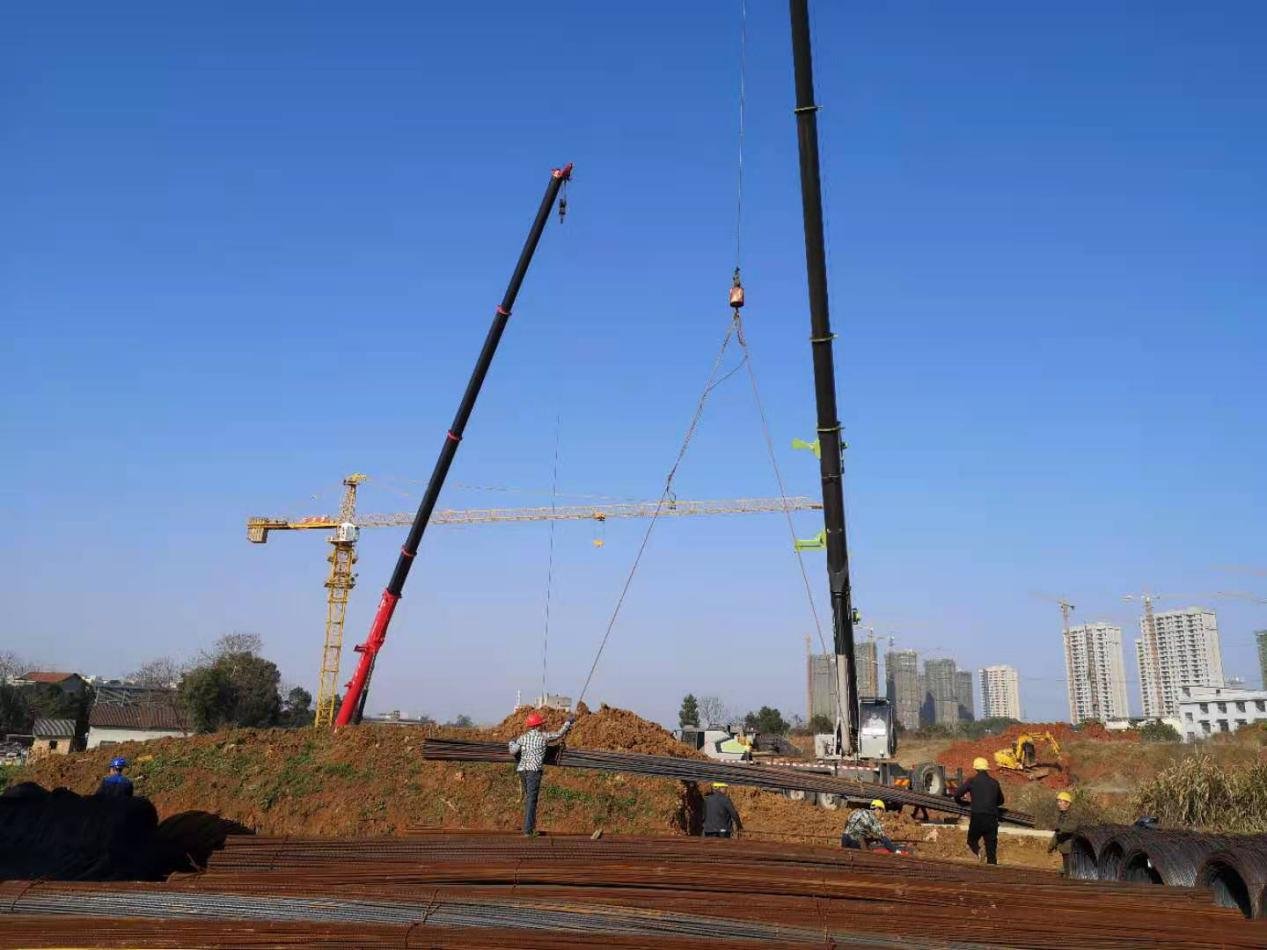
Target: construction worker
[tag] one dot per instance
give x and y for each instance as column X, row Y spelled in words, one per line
column 863, row 828
column 986, row 798
column 116, row 784
column 1062, row 835
column 530, row 750
column 720, row 815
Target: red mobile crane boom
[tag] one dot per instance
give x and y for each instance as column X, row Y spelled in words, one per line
column 353, row 707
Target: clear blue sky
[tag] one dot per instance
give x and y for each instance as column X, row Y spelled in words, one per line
column 249, row 248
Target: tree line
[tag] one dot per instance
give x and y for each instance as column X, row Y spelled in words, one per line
column 229, row 685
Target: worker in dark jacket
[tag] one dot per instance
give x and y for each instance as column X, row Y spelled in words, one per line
column 720, row 816
column 116, row 784
column 1062, row 833
column 986, row 798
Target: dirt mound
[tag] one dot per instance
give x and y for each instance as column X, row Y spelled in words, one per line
column 617, row 730
column 961, row 754
column 370, row 779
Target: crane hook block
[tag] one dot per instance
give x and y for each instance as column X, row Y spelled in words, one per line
column 736, row 291
column 816, row 447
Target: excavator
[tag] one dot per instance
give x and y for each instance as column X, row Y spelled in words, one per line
column 1023, row 756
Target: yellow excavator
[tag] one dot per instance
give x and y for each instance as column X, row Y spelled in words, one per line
column 1023, row 755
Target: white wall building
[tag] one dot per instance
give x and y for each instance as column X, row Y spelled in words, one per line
column 1095, row 673
column 1207, row 710
column 111, row 723
column 1000, row 692
column 1187, row 654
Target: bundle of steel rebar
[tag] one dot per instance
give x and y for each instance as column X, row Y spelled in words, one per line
column 61, row 932
column 1236, row 874
column 499, row 890
column 768, row 777
column 561, row 918
column 1232, row 867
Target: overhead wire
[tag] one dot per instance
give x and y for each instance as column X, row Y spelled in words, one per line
column 713, row 382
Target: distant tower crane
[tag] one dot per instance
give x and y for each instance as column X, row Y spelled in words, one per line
column 346, row 528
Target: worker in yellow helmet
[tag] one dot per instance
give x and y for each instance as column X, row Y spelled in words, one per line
column 1063, row 830
column 986, row 800
column 720, row 815
column 863, row 827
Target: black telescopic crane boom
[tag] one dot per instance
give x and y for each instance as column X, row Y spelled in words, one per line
column 830, row 444
column 353, row 706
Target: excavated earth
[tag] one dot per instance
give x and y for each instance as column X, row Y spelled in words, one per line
column 371, row 780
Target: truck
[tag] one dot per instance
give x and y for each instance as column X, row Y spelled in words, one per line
column 874, row 761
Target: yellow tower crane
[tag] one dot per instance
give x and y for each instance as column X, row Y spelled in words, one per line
column 346, row 528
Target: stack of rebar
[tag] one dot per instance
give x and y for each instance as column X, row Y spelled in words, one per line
column 498, row 890
column 1232, row 867
column 697, row 770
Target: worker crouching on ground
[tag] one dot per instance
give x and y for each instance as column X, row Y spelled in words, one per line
column 863, row 828
column 986, row 798
column 116, row 784
column 530, row 749
column 720, row 816
column 1062, row 835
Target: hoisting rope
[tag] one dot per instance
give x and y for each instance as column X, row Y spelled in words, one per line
column 554, row 494
column 714, row 380
column 735, row 330
column 743, row 72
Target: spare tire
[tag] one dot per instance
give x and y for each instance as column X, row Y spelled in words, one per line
column 929, row 778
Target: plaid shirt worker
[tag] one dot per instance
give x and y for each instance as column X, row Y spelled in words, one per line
column 531, row 747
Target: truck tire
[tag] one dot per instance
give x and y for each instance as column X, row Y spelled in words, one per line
column 929, row 778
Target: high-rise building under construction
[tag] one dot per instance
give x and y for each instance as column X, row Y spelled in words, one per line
column 1181, row 649
column 901, row 681
column 823, row 687
column 1095, row 674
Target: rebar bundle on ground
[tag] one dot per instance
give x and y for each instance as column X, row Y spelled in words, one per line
column 1232, row 867
column 698, row 770
column 483, row 889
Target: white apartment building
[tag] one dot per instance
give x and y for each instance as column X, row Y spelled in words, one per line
column 1095, row 672
column 1000, row 692
column 1187, row 654
column 1206, row 710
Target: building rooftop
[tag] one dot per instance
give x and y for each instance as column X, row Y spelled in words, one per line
column 154, row 716
column 47, row 676
column 54, row 729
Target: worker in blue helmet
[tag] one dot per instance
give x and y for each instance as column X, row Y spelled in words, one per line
column 116, row 784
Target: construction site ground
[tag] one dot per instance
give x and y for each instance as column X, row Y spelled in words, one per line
column 370, row 780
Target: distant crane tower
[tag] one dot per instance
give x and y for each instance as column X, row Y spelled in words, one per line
column 346, row 528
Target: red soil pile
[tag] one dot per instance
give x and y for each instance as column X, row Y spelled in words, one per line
column 612, row 729
column 370, row 779
column 961, row 754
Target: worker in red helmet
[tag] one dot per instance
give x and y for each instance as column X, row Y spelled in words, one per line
column 530, row 751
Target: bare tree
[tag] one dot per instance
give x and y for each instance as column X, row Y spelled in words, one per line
column 12, row 666
column 237, row 642
column 161, row 672
column 713, row 712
